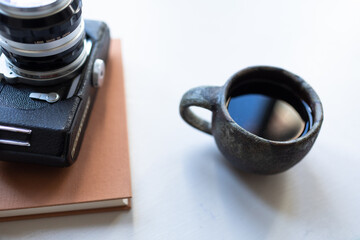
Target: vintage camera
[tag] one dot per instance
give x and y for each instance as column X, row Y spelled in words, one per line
column 52, row 63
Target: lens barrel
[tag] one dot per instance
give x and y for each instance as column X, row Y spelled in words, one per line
column 40, row 40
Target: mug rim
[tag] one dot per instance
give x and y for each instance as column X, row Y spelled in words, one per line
column 314, row 102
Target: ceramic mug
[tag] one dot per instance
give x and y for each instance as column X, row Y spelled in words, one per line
column 246, row 150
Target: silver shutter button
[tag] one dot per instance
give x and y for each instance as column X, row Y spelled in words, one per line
column 98, row 73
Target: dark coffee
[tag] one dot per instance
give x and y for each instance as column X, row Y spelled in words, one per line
column 268, row 114
column 264, row 119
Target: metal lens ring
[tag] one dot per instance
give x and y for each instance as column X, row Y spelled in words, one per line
column 38, row 77
column 39, row 28
column 42, row 36
column 32, row 8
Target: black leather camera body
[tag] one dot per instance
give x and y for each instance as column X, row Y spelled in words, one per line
column 45, row 123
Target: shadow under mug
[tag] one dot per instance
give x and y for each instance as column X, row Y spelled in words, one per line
column 258, row 151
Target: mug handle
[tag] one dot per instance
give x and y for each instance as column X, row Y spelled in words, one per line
column 205, row 97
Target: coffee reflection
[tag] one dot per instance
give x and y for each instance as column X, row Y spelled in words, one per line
column 269, row 117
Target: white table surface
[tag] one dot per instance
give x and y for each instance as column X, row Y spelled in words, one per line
column 182, row 186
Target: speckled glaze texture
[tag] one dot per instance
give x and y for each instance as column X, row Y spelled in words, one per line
column 244, row 150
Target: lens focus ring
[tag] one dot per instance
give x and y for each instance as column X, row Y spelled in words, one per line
column 43, row 29
column 47, row 38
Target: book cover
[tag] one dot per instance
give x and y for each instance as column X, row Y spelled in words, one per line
column 100, row 178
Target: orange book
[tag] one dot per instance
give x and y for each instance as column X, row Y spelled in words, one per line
column 100, row 178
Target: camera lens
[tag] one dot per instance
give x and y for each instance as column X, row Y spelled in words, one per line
column 42, row 39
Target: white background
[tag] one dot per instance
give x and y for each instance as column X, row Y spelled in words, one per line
column 182, row 186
